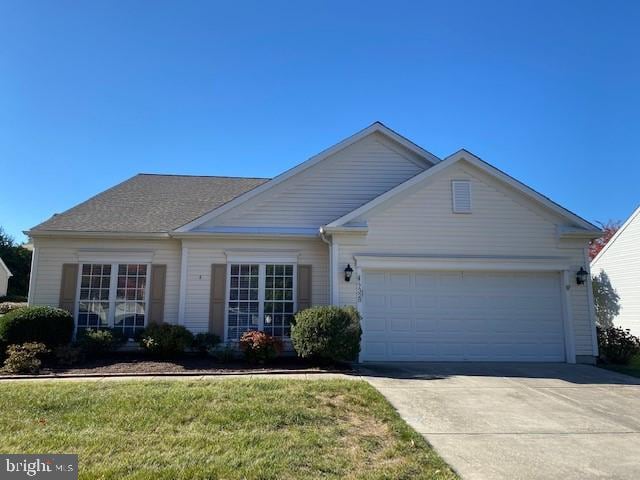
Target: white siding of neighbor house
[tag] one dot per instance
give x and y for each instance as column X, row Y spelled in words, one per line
column 203, row 253
column 501, row 224
column 621, row 262
column 52, row 253
column 329, row 189
column 4, row 281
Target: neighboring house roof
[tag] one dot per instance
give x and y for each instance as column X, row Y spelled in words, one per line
column 148, row 203
column 485, row 167
column 427, row 160
column 624, row 226
column 5, row 268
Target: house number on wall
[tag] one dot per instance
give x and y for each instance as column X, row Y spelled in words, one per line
column 359, row 291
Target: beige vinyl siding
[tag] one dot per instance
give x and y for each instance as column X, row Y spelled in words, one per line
column 423, row 223
column 52, row 253
column 202, row 253
column 621, row 262
column 329, row 189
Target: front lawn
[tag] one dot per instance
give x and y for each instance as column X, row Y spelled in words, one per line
column 254, row 429
column 632, row 369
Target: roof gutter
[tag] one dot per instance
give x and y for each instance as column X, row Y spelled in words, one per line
column 77, row 234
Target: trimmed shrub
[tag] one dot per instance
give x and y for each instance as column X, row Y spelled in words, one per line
column 166, row 340
column 259, row 347
column 13, row 299
column 203, row 342
column 67, row 355
column 48, row 325
column 95, row 343
column 25, row 358
column 6, row 307
column 327, row 333
column 223, row 353
column 617, row 345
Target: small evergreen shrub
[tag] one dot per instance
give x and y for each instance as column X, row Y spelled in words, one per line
column 48, row 325
column 617, row 345
column 24, row 358
column 223, row 353
column 6, row 307
column 166, row 340
column 204, row 342
column 68, row 355
column 13, row 299
column 95, row 343
column 327, row 333
column 259, row 347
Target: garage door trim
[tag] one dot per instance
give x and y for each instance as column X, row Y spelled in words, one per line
column 521, row 264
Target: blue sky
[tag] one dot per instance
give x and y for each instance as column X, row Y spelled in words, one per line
column 92, row 93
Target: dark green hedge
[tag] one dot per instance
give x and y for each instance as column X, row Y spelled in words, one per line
column 48, row 325
column 327, row 333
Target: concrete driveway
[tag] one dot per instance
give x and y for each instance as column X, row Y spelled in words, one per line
column 520, row 421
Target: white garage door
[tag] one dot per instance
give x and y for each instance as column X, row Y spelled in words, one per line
column 462, row 316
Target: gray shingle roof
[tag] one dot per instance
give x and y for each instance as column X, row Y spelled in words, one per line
column 150, row 203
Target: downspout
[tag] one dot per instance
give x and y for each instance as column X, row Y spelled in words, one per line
column 323, row 237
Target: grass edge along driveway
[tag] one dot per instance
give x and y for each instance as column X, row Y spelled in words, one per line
column 232, row 428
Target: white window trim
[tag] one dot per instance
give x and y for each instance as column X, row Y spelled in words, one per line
column 113, row 284
column 262, row 269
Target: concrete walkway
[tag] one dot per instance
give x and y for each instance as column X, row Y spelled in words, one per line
column 520, row 421
column 185, row 377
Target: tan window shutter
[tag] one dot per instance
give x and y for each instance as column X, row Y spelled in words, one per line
column 68, row 287
column 304, row 287
column 217, row 298
column 156, row 296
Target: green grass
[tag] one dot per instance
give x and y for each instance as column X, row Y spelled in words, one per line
column 632, row 369
column 236, row 429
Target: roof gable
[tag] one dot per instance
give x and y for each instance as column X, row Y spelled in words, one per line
column 416, row 153
column 464, row 155
column 635, row 217
column 4, row 267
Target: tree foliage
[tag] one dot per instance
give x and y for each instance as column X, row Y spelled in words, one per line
column 18, row 260
column 610, row 228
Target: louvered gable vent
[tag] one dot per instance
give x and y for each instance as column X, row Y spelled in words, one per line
column 461, row 196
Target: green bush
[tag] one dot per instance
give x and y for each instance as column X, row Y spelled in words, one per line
column 95, row 343
column 68, row 355
column 327, row 333
column 204, row 342
column 24, row 358
column 13, row 299
column 166, row 340
column 617, row 345
column 6, row 307
column 48, row 325
column 259, row 347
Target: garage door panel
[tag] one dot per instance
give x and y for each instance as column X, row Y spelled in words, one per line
column 489, row 316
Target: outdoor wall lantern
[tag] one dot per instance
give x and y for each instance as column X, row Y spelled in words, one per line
column 348, row 272
column 581, row 276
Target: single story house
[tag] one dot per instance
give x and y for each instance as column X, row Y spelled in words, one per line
column 446, row 259
column 620, row 261
column 5, row 275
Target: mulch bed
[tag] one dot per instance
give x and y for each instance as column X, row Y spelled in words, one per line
column 140, row 364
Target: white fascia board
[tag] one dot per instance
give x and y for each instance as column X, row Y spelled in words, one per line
column 376, row 127
column 462, row 263
column 5, row 268
column 304, row 231
column 262, row 256
column 481, row 165
column 616, row 235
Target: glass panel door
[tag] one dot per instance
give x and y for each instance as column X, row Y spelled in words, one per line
column 243, row 309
